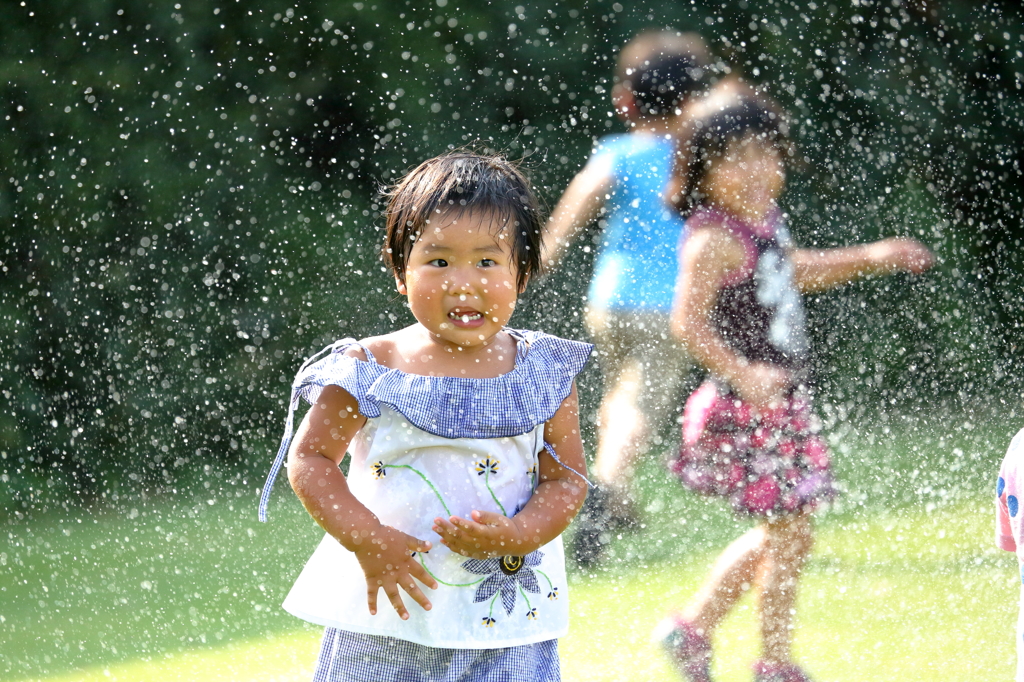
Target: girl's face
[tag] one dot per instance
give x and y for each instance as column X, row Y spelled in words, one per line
column 460, row 278
column 747, row 179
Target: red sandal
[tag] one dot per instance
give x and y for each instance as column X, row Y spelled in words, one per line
column 689, row 648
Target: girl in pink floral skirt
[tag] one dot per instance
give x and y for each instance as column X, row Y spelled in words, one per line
column 749, row 433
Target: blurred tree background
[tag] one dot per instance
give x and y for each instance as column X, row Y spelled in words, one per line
column 188, row 201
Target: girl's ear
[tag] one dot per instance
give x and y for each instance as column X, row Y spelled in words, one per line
column 522, row 287
column 625, row 104
column 400, row 285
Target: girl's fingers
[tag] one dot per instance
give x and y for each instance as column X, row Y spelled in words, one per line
column 417, row 545
column 391, row 589
column 477, row 537
column 416, row 593
column 421, row 574
column 455, row 527
column 487, row 518
column 476, row 524
column 444, row 529
column 372, row 588
column 921, row 260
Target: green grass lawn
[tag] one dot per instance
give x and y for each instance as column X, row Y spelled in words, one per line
column 908, row 597
column 903, row 585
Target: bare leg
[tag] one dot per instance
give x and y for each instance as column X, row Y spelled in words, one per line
column 731, row 576
column 642, row 367
column 622, row 430
column 788, row 543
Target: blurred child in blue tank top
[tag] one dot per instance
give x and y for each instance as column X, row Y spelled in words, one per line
column 659, row 74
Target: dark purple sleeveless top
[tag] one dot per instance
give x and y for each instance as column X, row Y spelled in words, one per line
column 759, row 312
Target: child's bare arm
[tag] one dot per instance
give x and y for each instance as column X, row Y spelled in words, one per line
column 384, row 553
column 556, row 501
column 820, row 269
column 708, row 256
column 579, row 205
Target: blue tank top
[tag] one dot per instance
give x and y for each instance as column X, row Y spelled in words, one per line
column 637, row 263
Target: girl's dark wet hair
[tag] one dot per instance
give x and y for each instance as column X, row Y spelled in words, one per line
column 661, row 69
column 662, row 83
column 463, row 181
column 711, row 134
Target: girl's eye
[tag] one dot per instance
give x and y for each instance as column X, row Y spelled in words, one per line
column 439, row 262
column 488, row 262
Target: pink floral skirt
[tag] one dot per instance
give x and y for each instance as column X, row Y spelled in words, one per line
column 765, row 463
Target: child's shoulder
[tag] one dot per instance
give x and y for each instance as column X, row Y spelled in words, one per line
column 1015, row 452
column 382, row 348
column 716, row 226
column 533, row 337
column 773, row 226
column 707, row 216
column 626, row 143
column 607, row 142
column 540, row 349
column 394, row 349
column 359, row 349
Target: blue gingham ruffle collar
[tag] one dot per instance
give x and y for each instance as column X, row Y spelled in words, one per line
column 451, row 407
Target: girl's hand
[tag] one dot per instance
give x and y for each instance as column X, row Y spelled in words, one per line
column 486, row 534
column 762, row 385
column 909, row 255
column 386, row 559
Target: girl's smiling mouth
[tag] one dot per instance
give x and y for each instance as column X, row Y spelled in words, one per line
column 465, row 317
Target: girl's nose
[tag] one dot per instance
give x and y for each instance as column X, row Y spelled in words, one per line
column 459, row 282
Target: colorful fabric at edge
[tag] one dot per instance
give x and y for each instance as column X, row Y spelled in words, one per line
column 1010, row 525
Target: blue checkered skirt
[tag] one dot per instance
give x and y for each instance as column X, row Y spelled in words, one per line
column 353, row 657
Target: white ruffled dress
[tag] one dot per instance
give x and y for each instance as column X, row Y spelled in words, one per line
column 443, row 446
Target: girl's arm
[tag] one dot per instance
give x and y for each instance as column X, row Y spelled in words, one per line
column 579, row 205
column 556, row 501
column 709, row 254
column 819, row 269
column 384, row 553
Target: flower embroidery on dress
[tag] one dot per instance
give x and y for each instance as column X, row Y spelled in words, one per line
column 380, row 470
column 504, row 577
column 487, row 466
column 507, row 577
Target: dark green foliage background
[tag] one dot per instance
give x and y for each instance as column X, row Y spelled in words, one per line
column 188, row 208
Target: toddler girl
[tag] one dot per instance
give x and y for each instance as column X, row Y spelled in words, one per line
column 749, row 433
column 460, row 430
